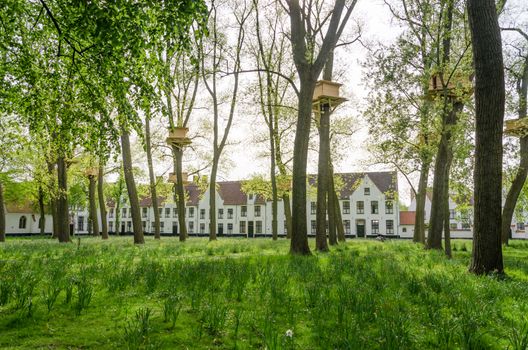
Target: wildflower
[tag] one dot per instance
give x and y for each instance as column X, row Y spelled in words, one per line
column 289, row 333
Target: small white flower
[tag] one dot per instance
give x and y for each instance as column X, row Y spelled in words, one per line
column 289, row 333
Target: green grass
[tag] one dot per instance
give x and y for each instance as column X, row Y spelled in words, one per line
column 247, row 294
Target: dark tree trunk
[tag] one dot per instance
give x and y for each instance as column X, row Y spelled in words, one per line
column 152, row 179
column 93, row 206
column 447, row 228
column 180, row 192
column 337, row 208
column 419, row 224
column 334, row 219
column 489, row 103
column 522, row 172
column 2, row 214
column 441, row 176
column 321, row 243
column 118, row 218
column 287, row 213
column 131, row 188
column 42, row 219
column 53, row 203
column 299, row 240
column 102, row 204
column 212, row 203
column 63, row 217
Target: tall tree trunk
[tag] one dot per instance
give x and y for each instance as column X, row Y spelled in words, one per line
column 287, row 213
column 102, row 204
column 42, row 219
column 299, row 240
column 180, row 193
column 333, row 210
column 212, row 202
column 441, row 176
column 63, row 217
column 152, row 179
column 321, row 243
column 53, row 202
column 118, row 218
column 2, row 214
column 336, row 207
column 419, row 224
column 93, row 206
column 131, row 188
column 447, row 228
column 522, row 172
column 273, row 177
column 489, row 103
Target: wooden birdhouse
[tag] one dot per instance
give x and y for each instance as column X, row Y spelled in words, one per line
column 516, row 127
column 326, row 95
column 92, row 171
column 457, row 85
column 178, row 136
column 174, row 179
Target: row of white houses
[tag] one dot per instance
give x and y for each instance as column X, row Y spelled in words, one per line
column 368, row 203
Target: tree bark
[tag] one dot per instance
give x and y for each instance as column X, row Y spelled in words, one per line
column 102, row 204
column 93, row 206
column 333, row 210
column 522, row 172
column 42, row 219
column 419, row 224
column 152, row 179
column 63, row 217
column 53, row 203
column 447, row 228
column 287, row 214
column 131, row 188
column 2, row 214
column 321, row 243
column 212, row 203
column 180, row 192
column 489, row 103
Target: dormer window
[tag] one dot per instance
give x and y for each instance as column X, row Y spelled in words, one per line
column 367, row 191
column 250, row 196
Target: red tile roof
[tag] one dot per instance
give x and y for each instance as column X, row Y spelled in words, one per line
column 407, row 217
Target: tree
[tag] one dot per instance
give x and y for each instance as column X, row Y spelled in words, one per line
column 489, row 103
column 307, row 25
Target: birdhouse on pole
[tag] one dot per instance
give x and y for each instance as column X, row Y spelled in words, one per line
column 178, row 137
column 326, row 96
column 174, row 178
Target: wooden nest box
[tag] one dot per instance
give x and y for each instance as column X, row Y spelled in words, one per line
column 174, row 179
column 516, row 127
column 326, row 96
column 458, row 86
column 91, row 171
column 178, row 137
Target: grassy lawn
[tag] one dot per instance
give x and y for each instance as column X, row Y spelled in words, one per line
column 249, row 294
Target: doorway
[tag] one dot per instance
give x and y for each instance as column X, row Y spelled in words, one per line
column 251, row 232
column 360, row 228
column 175, row 228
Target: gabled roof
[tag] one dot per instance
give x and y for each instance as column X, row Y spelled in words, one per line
column 385, row 181
column 407, row 217
column 23, row 208
column 232, row 194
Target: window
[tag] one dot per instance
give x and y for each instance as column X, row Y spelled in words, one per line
column 202, row 214
column 191, row 227
column 129, row 226
column 162, row 227
column 243, row 211
column 124, row 211
column 191, row 212
column 389, row 207
column 160, row 212
column 313, row 208
column 257, row 211
column 346, row 225
column 202, row 228
column 144, row 212
column 242, row 227
column 404, row 230
column 390, row 227
column 230, row 213
column 229, row 228
column 250, row 197
column 367, row 191
column 520, row 226
column 22, row 222
column 452, row 214
column 80, row 223
column 220, row 228
column 346, row 207
column 375, row 227
column 220, row 213
column 374, row 207
column 258, row 226
column 453, row 226
column 360, row 207
column 130, row 213
column 111, row 226
column 167, row 212
column 111, row 213
column 314, row 227
column 174, row 212
column 144, row 223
